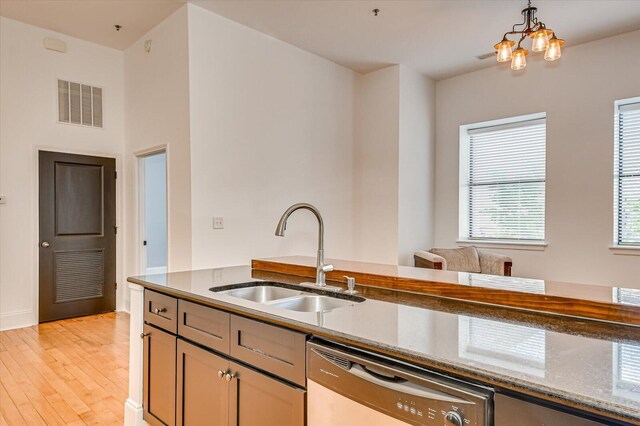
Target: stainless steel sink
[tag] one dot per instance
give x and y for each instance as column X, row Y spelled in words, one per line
column 262, row 294
column 287, row 296
column 312, row 303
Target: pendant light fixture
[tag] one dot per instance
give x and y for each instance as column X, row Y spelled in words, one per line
column 543, row 40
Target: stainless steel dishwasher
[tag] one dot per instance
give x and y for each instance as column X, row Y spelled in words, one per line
column 355, row 388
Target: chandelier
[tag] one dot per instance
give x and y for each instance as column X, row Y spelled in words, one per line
column 543, row 39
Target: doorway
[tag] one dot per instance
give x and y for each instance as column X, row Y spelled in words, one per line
column 77, row 229
column 153, row 209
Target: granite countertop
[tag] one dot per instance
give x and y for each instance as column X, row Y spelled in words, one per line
column 596, row 373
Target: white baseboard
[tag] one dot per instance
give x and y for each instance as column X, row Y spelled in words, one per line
column 17, row 319
column 133, row 414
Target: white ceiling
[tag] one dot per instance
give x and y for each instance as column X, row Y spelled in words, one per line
column 93, row 20
column 439, row 38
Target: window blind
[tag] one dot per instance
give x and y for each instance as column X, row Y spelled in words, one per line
column 507, row 171
column 627, row 175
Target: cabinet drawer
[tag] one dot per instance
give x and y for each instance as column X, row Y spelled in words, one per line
column 270, row 348
column 161, row 310
column 206, row 326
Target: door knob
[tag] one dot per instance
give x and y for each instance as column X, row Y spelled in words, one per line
column 45, row 244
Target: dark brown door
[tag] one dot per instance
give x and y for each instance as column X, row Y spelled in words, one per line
column 77, row 235
column 203, row 396
column 257, row 399
column 159, row 377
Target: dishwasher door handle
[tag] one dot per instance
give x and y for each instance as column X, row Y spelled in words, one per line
column 403, row 386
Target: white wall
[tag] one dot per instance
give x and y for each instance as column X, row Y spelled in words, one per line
column 155, row 210
column 416, row 171
column 577, row 93
column 28, row 122
column 393, row 165
column 157, row 111
column 271, row 125
column 376, row 166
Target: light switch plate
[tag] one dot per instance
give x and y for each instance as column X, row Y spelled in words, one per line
column 218, row 223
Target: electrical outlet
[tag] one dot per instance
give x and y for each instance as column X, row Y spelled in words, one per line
column 3, row 199
column 218, row 223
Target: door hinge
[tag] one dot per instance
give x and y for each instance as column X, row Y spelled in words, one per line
column 116, row 285
column 115, row 230
column 115, row 173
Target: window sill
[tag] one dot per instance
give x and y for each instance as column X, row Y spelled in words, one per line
column 511, row 245
column 625, row 250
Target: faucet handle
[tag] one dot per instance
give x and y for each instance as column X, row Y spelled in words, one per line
column 327, row 268
column 351, row 285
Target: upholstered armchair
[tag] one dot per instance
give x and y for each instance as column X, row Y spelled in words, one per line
column 464, row 259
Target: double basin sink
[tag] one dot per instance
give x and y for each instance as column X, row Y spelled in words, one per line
column 289, row 297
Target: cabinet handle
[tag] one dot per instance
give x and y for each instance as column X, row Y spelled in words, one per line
column 221, row 373
column 159, row 310
column 143, row 335
column 229, row 376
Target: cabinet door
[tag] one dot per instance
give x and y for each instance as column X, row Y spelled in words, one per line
column 203, row 396
column 511, row 411
column 159, row 376
column 257, row 399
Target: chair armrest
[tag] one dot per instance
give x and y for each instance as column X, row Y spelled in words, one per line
column 495, row 264
column 424, row 259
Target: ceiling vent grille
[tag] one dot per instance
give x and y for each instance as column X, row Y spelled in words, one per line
column 79, row 104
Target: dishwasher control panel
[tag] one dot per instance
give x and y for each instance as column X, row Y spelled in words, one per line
column 417, row 398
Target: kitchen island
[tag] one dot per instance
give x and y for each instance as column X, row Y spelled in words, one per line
column 586, row 369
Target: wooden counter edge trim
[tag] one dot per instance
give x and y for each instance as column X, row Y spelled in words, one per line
column 624, row 314
column 458, row 372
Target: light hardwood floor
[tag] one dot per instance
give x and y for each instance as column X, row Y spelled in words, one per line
column 72, row 372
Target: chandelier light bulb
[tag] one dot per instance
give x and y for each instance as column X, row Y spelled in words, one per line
column 554, row 51
column 504, row 50
column 519, row 60
column 540, row 40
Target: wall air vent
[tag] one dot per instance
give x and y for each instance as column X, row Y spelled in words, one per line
column 79, row 104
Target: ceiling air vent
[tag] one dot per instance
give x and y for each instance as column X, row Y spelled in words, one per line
column 79, row 104
column 486, row 55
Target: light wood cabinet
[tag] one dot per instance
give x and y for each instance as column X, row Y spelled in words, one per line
column 159, row 376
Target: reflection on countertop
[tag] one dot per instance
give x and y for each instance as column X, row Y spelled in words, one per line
column 595, row 366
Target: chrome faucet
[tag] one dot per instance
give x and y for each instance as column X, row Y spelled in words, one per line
column 321, row 267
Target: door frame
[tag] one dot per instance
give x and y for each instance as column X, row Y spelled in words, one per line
column 35, row 225
column 140, row 251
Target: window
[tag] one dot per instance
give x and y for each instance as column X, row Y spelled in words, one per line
column 627, row 173
column 502, row 178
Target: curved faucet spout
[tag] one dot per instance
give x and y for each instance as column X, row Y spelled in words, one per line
column 322, row 268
